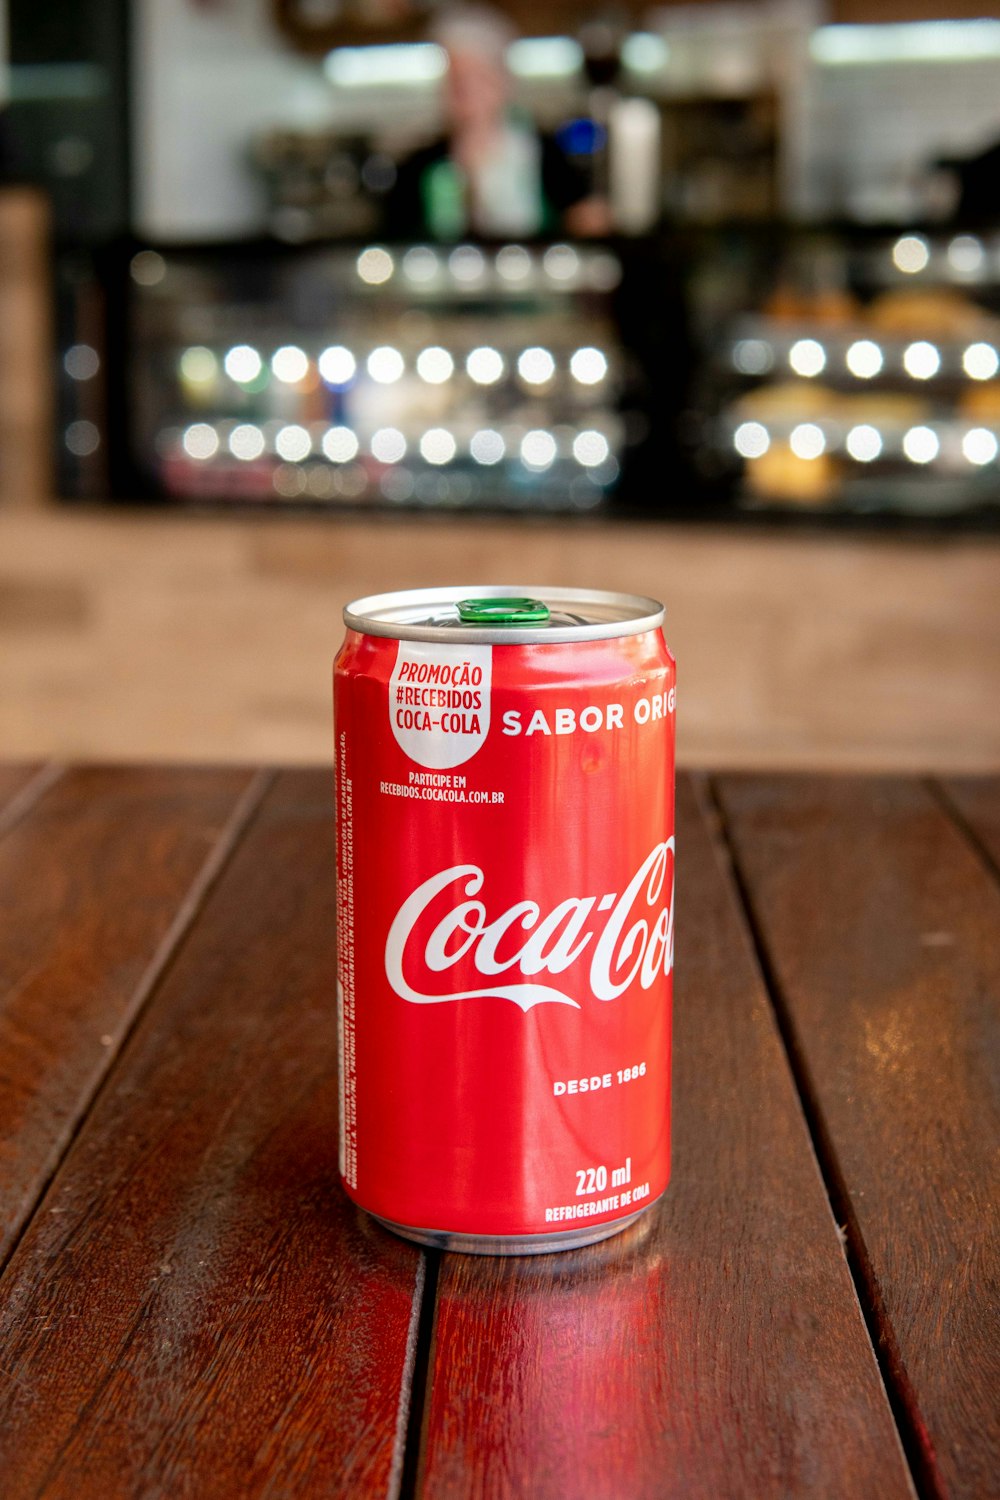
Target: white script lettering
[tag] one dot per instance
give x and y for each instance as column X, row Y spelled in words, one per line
column 635, row 945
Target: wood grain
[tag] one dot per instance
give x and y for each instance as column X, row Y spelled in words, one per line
column 976, row 801
column 715, row 1349
column 880, row 926
column 99, row 880
column 196, row 1310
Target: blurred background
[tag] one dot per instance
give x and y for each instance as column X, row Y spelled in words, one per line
column 302, row 299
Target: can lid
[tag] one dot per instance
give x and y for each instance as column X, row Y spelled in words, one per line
column 503, row 611
column 503, row 615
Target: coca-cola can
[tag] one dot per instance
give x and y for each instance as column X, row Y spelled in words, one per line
column 505, row 913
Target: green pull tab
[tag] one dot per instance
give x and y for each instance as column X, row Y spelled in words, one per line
column 503, row 612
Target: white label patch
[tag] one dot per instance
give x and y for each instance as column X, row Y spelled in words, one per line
column 439, row 701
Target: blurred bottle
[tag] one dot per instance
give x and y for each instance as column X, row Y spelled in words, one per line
column 635, row 165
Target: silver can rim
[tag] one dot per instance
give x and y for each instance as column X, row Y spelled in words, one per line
column 617, row 615
column 551, row 1243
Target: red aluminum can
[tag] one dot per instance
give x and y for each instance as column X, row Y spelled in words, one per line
column 505, row 913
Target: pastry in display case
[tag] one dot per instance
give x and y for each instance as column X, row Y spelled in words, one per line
column 868, row 381
column 413, row 375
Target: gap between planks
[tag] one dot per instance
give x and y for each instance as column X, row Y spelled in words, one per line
column 945, row 800
column 24, row 800
column 416, row 1380
column 870, row 1302
column 162, row 958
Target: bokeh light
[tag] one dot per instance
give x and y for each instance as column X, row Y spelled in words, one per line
column 538, row 449
column 536, row 365
column 293, row 443
column 375, row 266
column 590, row 448
column 435, row 365
column 337, row 365
column 388, row 445
column 246, row 442
column 385, row 364
column 290, row 364
column 911, row 254
column 807, row 357
column 864, row 359
column 243, row 364
column 437, row 446
column 200, row 441
column 751, row 439
column 921, row 445
column 487, row 446
column 864, row 443
column 588, row 365
column 340, row 444
column 921, row 360
column 807, row 440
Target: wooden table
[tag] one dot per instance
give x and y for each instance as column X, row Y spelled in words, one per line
column 190, row 1307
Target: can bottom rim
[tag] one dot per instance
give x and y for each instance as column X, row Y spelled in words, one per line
column 514, row 1244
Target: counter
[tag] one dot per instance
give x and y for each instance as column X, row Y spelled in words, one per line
column 139, row 634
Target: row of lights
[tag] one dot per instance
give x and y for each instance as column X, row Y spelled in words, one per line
column 537, row 449
column 965, row 254
column 435, row 487
column 534, row 57
column 513, row 265
column 385, row 364
column 467, row 265
column 865, row 443
column 863, row 358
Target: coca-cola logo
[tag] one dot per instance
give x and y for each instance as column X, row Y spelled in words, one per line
column 442, row 924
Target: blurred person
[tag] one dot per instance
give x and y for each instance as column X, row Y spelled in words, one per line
column 492, row 174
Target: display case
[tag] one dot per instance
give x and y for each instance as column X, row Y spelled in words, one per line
column 767, row 371
column 470, row 375
column 851, row 373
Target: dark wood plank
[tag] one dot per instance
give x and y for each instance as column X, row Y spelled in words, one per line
column 99, row 880
column 196, row 1310
column 880, row 924
column 715, row 1349
column 976, row 801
